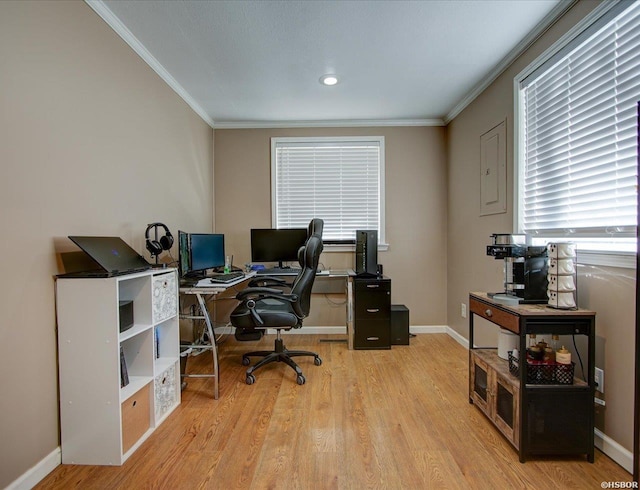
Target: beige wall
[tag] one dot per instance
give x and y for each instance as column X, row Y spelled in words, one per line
column 416, row 213
column 608, row 291
column 92, row 142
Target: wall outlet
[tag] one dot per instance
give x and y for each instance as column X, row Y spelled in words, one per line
column 599, row 379
column 463, row 310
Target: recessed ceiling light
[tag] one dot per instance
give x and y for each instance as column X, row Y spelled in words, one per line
column 328, row 80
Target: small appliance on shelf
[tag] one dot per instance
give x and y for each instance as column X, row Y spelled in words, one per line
column 562, row 278
column 525, row 269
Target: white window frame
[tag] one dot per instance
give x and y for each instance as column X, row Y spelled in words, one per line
column 587, row 256
column 378, row 140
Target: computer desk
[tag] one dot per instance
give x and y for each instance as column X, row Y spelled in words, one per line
column 339, row 281
column 204, row 294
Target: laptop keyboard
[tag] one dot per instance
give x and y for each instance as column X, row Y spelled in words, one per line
column 224, row 278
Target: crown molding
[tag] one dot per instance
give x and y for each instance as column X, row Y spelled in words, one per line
column 105, row 13
column 543, row 26
column 327, row 124
column 119, row 28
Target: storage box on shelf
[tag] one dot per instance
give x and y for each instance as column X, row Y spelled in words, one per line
column 562, row 277
column 116, row 387
column 541, row 408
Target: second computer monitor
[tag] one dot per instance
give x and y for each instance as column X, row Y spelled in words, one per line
column 199, row 252
column 273, row 245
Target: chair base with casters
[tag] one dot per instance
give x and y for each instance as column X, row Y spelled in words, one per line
column 279, row 354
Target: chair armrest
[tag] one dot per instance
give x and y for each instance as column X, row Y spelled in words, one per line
column 260, row 293
column 267, row 281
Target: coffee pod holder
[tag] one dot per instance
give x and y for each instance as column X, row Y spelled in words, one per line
column 562, row 276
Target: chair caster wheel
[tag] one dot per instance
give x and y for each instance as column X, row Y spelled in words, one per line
column 245, row 361
column 301, row 379
column 250, row 379
column 317, row 361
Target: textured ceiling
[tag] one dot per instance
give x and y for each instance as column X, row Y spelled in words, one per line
column 252, row 63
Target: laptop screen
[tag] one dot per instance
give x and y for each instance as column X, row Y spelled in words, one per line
column 111, row 253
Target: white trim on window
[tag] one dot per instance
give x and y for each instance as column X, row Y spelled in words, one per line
column 354, row 175
column 585, row 31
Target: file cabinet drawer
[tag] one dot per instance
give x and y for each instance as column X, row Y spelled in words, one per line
column 372, row 285
column 372, row 334
column 373, row 307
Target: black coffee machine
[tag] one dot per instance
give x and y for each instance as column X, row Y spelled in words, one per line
column 525, row 268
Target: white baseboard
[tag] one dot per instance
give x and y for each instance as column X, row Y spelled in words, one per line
column 35, row 474
column 615, row 451
column 458, row 338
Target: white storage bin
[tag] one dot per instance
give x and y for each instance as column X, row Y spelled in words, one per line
column 165, row 296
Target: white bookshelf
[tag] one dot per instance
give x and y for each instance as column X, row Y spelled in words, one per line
column 103, row 423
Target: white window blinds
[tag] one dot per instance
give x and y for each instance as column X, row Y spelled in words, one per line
column 337, row 179
column 580, row 134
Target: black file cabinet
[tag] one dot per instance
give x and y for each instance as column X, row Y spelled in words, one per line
column 372, row 313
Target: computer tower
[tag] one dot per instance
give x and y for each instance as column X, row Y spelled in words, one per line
column 399, row 325
column 366, row 252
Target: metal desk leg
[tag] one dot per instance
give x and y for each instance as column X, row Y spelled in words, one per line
column 213, row 347
column 212, row 339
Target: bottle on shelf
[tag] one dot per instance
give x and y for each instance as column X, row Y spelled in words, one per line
column 563, row 356
column 534, row 352
column 549, row 356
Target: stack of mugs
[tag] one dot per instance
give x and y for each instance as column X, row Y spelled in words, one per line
column 562, row 275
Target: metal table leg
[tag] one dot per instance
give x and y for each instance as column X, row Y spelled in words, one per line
column 214, row 348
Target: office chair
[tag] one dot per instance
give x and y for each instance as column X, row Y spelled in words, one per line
column 261, row 308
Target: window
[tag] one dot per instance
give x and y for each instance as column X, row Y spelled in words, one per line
column 577, row 124
column 340, row 180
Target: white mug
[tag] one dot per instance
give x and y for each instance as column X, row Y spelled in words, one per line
column 561, row 283
column 561, row 266
column 561, row 250
column 561, row 300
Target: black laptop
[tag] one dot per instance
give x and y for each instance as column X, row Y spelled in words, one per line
column 113, row 256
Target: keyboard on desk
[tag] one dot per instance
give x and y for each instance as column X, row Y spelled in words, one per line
column 277, row 271
column 226, row 278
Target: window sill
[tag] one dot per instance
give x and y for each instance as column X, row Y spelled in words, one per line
column 625, row 260
column 328, row 247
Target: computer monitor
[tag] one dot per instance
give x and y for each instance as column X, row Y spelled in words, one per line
column 273, row 245
column 183, row 253
column 199, row 252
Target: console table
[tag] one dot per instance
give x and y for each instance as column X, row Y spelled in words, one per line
column 536, row 416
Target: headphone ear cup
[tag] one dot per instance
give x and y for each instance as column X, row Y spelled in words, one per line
column 166, row 242
column 154, row 247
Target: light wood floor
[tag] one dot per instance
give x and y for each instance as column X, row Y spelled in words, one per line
column 365, row 419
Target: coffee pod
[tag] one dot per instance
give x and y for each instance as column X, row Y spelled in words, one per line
column 561, row 250
column 563, row 356
column 561, row 266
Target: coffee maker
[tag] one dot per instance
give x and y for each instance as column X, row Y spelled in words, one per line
column 525, row 269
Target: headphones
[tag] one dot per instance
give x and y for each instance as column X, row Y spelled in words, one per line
column 155, row 247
